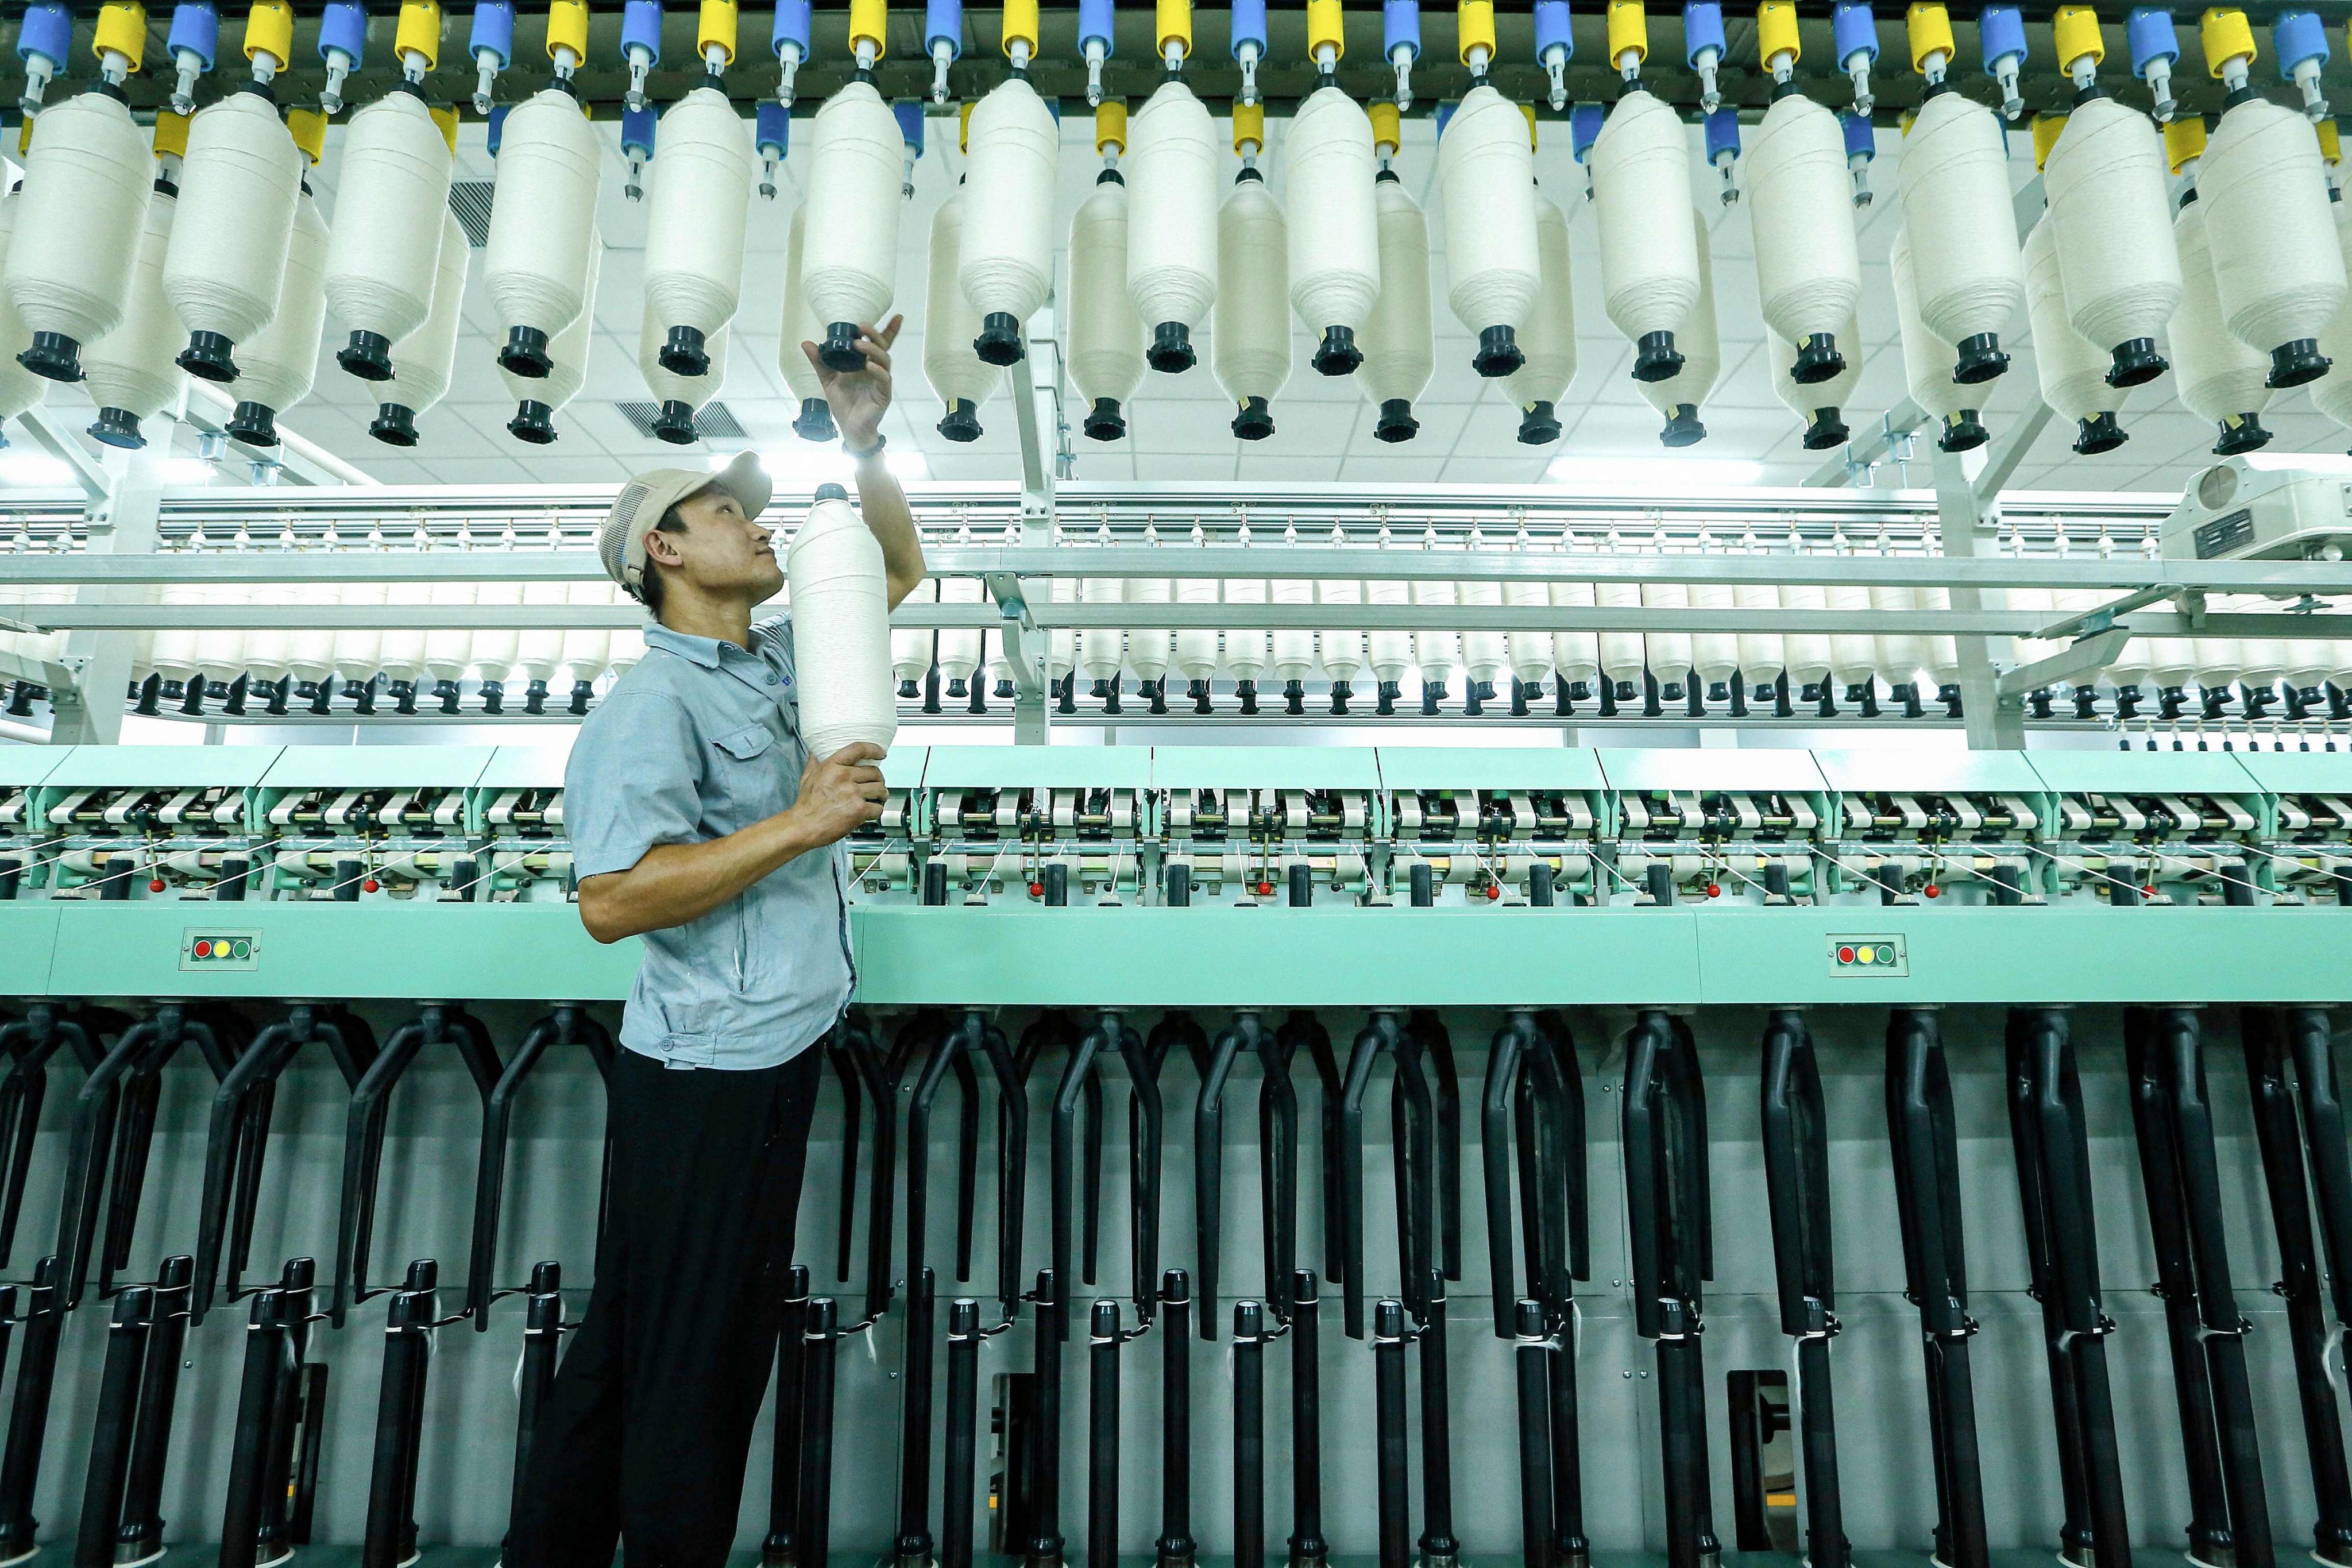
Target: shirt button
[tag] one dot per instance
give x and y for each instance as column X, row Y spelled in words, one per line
column 771, row 678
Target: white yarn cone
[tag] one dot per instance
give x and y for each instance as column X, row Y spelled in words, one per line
column 2332, row 394
column 391, row 189
column 2072, row 369
column 841, row 628
column 1007, row 266
column 1821, row 405
column 20, row 389
column 277, row 364
column 1335, row 233
column 2277, row 263
column 1246, row 653
column 227, row 260
column 1399, row 348
column 1196, row 651
column 2221, row 379
column 1575, row 656
column 1250, row 345
column 1926, row 364
column 132, row 371
column 538, row 399
column 422, row 362
column 1649, row 249
column 1548, row 338
column 698, row 201
column 1485, row 175
column 1763, row 656
column 2111, row 216
column 1808, row 652
column 87, row 178
column 1531, row 651
column 1390, row 653
column 1148, row 649
column 1172, row 236
column 910, row 651
column 1100, row 652
column 1436, row 654
column 1668, row 654
column 1808, row 269
column 679, row 397
column 1715, row 655
column 1294, row 650
column 1106, row 334
column 960, row 646
column 959, row 378
column 1680, row 395
column 801, row 326
column 849, row 256
column 1954, row 178
column 542, row 222
column 1622, row 654
column 1342, row 654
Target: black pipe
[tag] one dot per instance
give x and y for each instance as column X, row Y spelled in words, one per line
column 391, row 1531
column 28, row 1415
column 110, row 1435
column 1044, row 1545
column 1437, row 1542
column 29, row 1041
column 816, row 1443
column 140, row 1524
column 1388, row 1429
column 1535, row 1432
column 1308, row 1546
column 963, row 1418
column 791, row 1352
column 1102, row 1438
column 1249, row 1435
column 914, row 1540
column 542, row 1335
column 1277, row 1165
column 568, row 1024
column 1412, row 1118
column 253, row 1520
column 1796, row 1173
column 1176, row 1545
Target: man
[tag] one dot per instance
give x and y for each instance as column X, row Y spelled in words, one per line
column 699, row 824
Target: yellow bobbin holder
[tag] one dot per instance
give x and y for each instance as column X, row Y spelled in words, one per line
column 1903, row 121
column 419, row 32
column 1474, row 28
column 1776, row 31
column 567, row 28
column 171, row 134
column 2331, row 146
column 1249, row 125
column 269, row 30
column 1175, row 27
column 308, row 129
column 868, row 22
column 1325, row 29
column 2226, row 34
column 447, row 119
column 715, row 28
column 1629, row 28
column 1020, row 27
column 1387, row 124
column 121, row 30
column 2077, row 29
column 964, row 127
column 1529, row 110
column 1929, row 26
column 2184, row 138
column 2046, row 128
column 1111, row 125
column 25, row 135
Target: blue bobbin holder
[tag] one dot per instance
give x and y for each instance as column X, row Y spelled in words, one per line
column 195, row 28
column 1096, row 25
column 791, row 27
column 773, row 129
column 1249, row 27
column 343, row 27
column 1722, row 133
column 497, row 126
column 1855, row 31
column 1859, row 137
column 2148, row 30
column 1554, row 27
column 641, row 27
column 1584, row 123
column 47, row 31
column 1400, row 26
column 2001, row 29
column 943, row 23
column 2296, row 37
column 493, row 30
column 637, row 131
column 909, row 117
column 1702, row 29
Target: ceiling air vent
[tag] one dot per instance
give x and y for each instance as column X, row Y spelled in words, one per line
column 713, row 421
column 471, row 200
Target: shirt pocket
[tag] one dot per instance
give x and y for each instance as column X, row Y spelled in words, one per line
column 749, row 766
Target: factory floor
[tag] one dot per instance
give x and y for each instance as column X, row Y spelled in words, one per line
column 192, row 1555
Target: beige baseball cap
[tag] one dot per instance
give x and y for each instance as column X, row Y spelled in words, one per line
column 621, row 542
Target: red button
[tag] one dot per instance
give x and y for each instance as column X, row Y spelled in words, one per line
column 155, row 885
column 1846, row 955
column 1714, row 891
column 371, row 886
column 1932, row 891
column 1036, row 889
column 1266, row 889
column 1493, row 892
column 204, row 949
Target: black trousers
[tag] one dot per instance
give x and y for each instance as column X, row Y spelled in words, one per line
column 646, row 1433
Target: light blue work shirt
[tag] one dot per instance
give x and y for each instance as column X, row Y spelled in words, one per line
column 698, row 740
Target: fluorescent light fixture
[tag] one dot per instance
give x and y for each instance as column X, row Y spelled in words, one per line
column 806, row 468
column 33, row 470
column 1639, row 473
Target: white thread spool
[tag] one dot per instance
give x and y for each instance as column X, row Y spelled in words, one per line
column 1575, row 656
column 448, row 652
column 1808, row 653
column 1196, row 649
column 801, row 326
column 276, row 362
column 2332, row 394
column 1622, row 655
column 1853, row 656
column 1549, row 337
column 1927, row 370
column 1681, row 395
column 495, row 648
column 1335, row 235
column 699, row 200
column 959, row 378
column 1649, row 244
column 1398, row 341
column 1106, row 334
column 538, row 399
column 237, row 190
column 359, row 655
column 1101, row 652
column 87, row 177
column 422, row 362
column 1486, row 172
column 133, row 371
column 1294, row 650
column 2220, row 378
column 1436, row 654
column 543, row 224
column 391, row 191
column 2276, row 264
column 849, row 257
column 1954, row 178
column 1007, row 257
column 1668, row 654
column 1390, row 653
column 1247, row 654
column 1250, row 344
column 1342, row 652
column 1821, row 406
column 841, row 628
column 587, row 653
column 1173, row 229
column 960, row 646
column 1763, row 656
column 910, row 651
column 1901, row 655
column 1808, row 266
column 20, row 389
column 1062, row 643
column 1530, row 652
column 2111, row 221
column 678, row 398
column 2072, row 368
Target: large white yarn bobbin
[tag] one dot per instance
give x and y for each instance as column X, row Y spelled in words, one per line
column 958, row 377
column 678, row 398
column 383, row 253
column 2072, row 369
column 1250, row 344
column 133, row 371
column 849, row 256
column 1649, row 249
column 1954, row 178
column 1486, row 180
column 422, row 362
column 2111, row 214
column 841, row 629
column 87, row 178
column 1007, row 266
column 1927, row 360
column 1335, row 227
column 543, row 224
column 2221, row 377
column 276, row 364
column 1106, row 334
column 237, row 189
column 536, row 399
column 698, row 200
column 1549, row 337
column 1172, row 229
column 1397, row 339
column 20, row 389
column 1808, row 267
column 2331, row 394
column 801, row 326
column 1680, row 395
column 1821, row 406
column 2276, row 264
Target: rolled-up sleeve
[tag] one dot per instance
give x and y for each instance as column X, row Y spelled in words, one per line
column 631, row 782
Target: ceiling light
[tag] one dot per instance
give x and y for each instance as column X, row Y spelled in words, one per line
column 28, row 471
column 1640, row 473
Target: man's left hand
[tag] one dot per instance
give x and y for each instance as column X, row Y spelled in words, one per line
column 860, row 397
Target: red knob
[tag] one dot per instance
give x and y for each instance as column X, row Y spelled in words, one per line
column 1714, row 889
column 2148, row 891
column 1494, row 892
column 1266, row 889
column 155, row 885
column 371, row 886
column 1036, row 889
column 1932, row 891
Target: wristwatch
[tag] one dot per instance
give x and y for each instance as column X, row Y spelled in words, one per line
column 861, row 454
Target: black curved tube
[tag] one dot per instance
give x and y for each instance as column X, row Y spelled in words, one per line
column 1079, row 1082
column 90, row 1144
column 31, row 1040
column 1446, row 1090
column 568, row 1024
column 1796, row 1173
column 1307, row 1033
column 1208, row 1162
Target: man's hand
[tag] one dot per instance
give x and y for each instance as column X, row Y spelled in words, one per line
column 840, row 794
column 860, row 397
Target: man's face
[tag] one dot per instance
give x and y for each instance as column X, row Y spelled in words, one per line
column 722, row 553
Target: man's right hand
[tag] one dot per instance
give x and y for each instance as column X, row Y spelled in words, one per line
column 840, row 794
